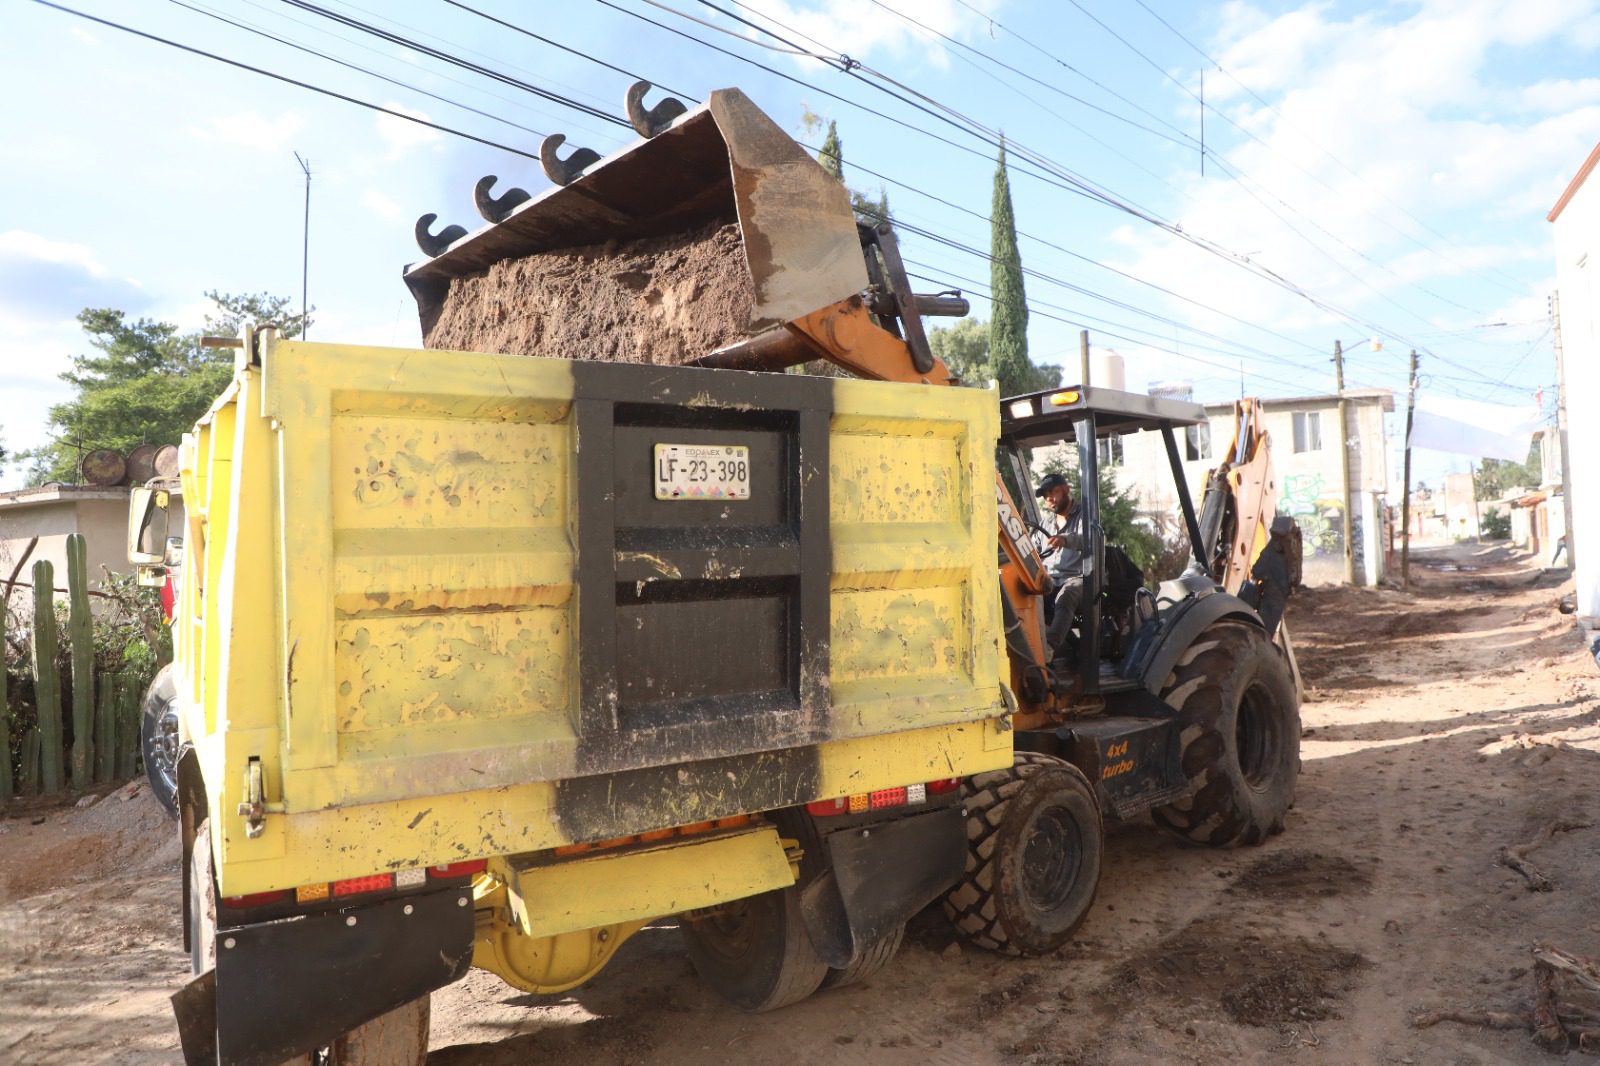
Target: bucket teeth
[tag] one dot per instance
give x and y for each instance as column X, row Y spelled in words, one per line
column 492, row 208
column 649, row 123
column 432, row 244
column 565, row 171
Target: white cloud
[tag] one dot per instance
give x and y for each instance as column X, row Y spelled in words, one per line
column 1557, row 95
column 381, row 205
column 251, row 129
column 1416, row 117
column 404, row 137
column 24, row 245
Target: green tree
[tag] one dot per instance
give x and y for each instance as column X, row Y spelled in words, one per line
column 1496, row 477
column 964, row 348
column 147, row 383
column 1008, row 328
column 832, row 155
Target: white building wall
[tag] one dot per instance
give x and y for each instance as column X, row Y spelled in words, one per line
column 1577, row 238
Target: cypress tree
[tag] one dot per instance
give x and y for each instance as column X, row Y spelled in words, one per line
column 832, row 155
column 1008, row 325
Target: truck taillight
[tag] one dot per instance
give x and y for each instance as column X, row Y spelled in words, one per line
column 352, row 886
column 458, row 869
column 886, row 797
column 883, row 798
column 948, row 784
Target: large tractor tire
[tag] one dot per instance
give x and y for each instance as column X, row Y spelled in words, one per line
column 755, row 952
column 1239, row 731
column 398, row 1038
column 1034, row 841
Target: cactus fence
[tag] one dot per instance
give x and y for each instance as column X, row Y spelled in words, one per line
column 104, row 741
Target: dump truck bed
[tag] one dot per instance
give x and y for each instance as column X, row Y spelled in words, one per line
column 441, row 608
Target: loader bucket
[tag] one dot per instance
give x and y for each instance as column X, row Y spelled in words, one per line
column 722, row 162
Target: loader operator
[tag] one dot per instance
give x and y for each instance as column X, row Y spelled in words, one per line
column 1066, row 564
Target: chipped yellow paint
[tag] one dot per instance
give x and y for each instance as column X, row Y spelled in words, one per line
column 916, row 627
column 379, row 605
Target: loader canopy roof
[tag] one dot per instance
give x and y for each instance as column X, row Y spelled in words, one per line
column 1053, row 415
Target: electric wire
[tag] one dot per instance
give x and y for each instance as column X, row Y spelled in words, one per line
column 284, row 78
column 1341, row 163
column 354, row 66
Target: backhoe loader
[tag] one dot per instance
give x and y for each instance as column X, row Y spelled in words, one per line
column 485, row 660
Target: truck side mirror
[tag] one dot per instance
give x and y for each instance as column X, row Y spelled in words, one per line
column 147, row 526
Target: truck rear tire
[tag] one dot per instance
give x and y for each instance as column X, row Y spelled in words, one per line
column 158, row 738
column 755, row 952
column 1239, row 737
column 872, row 960
column 1034, row 841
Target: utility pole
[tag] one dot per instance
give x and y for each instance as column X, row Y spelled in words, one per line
column 1405, row 502
column 1561, row 430
column 1344, row 466
column 305, row 248
column 1477, row 522
column 1083, row 356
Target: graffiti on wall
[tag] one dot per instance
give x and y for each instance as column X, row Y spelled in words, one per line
column 1319, row 515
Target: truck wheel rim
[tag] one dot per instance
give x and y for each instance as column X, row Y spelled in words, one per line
column 1254, row 736
column 165, row 749
column 1051, row 859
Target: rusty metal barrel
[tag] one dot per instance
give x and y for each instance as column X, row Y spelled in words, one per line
column 104, row 467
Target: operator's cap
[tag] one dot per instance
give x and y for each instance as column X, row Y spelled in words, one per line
column 1050, row 481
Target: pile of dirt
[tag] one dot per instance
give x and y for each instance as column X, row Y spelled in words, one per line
column 664, row 300
column 122, row 833
column 1257, row 980
column 1292, row 875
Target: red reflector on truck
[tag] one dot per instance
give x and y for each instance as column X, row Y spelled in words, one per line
column 351, row 886
column 938, row 788
column 459, row 869
column 887, row 797
column 823, row 808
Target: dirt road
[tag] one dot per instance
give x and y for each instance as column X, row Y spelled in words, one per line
column 1440, row 725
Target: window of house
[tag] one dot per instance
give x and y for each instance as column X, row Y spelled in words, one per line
column 1307, row 431
column 1197, row 442
column 1109, row 450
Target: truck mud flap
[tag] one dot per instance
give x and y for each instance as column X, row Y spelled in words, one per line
column 284, row 988
column 878, row 876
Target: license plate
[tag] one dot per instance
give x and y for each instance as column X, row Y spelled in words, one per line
column 702, row 472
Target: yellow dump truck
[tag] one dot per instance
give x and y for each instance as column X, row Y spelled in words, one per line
column 471, row 671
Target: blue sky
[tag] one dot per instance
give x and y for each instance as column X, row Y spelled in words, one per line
column 1393, row 163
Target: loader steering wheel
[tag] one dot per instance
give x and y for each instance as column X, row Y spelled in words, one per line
column 1046, row 551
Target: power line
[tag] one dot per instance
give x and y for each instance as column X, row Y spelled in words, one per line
column 970, row 126
column 465, row 64
column 354, row 66
column 284, row 78
column 1341, row 163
